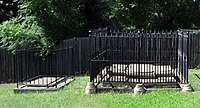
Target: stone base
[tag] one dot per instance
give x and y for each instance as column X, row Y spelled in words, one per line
column 139, row 89
column 58, row 86
column 186, row 88
column 90, row 88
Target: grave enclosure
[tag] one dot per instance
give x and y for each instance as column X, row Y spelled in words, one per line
column 138, row 57
column 37, row 73
column 110, row 57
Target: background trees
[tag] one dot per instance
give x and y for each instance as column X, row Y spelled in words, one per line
column 63, row 19
column 95, row 13
column 60, row 19
column 171, row 14
column 43, row 23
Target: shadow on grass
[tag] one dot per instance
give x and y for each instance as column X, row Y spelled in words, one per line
column 194, row 79
column 197, row 76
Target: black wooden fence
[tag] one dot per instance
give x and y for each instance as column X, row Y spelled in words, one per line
column 194, row 50
column 6, row 66
column 81, row 53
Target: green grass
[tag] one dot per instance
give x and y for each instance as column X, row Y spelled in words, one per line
column 73, row 96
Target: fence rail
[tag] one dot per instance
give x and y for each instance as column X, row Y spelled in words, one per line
column 82, row 51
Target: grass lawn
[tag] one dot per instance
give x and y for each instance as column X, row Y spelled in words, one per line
column 73, row 96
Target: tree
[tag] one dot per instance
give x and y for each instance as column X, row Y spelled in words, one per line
column 41, row 24
column 175, row 14
column 62, row 19
column 171, row 14
column 95, row 13
column 23, row 33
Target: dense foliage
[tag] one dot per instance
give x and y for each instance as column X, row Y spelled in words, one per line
column 58, row 18
column 42, row 23
column 23, row 33
column 171, row 14
column 63, row 19
column 95, row 13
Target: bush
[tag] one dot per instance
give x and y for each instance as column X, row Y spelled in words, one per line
column 24, row 32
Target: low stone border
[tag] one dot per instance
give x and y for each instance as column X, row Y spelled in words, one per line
column 25, row 89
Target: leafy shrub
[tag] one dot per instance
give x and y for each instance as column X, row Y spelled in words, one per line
column 63, row 19
column 60, row 19
column 24, row 32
